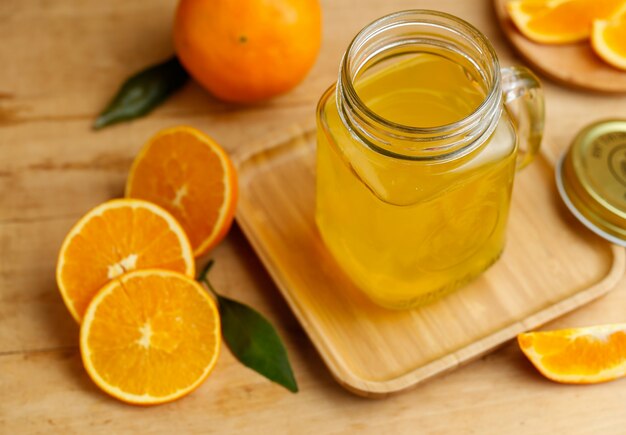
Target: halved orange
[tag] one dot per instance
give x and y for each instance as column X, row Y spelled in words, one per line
column 561, row 21
column 114, row 238
column 150, row 336
column 608, row 40
column 578, row 355
column 184, row 171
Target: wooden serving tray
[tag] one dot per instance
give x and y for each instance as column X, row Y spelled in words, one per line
column 574, row 64
column 551, row 265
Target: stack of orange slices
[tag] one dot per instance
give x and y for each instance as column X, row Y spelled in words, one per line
column 567, row 21
column 149, row 332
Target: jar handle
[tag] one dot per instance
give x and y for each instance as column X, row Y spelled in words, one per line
column 523, row 97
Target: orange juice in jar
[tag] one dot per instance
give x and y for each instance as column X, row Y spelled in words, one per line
column 417, row 154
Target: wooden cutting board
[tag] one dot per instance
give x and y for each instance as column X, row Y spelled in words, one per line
column 376, row 352
column 572, row 64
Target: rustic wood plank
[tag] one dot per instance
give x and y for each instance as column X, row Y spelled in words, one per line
column 62, row 169
column 505, row 395
column 62, row 62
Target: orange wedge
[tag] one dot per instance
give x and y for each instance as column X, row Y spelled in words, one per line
column 561, row 21
column 608, row 40
column 187, row 173
column 114, row 238
column 578, row 355
column 150, row 336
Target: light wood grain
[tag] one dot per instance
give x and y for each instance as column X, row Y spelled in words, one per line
column 574, row 64
column 61, row 62
column 535, row 281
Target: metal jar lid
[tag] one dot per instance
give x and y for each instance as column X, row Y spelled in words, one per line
column 591, row 178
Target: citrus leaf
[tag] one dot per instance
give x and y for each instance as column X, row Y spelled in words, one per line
column 142, row 92
column 255, row 343
column 252, row 339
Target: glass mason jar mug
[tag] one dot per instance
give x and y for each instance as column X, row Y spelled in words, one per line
column 417, row 153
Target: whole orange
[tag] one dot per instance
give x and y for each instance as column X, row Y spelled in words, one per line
column 247, row 50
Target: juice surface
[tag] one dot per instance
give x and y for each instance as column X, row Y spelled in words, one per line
column 426, row 90
column 407, row 232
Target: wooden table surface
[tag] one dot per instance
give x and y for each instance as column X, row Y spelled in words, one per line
column 61, row 61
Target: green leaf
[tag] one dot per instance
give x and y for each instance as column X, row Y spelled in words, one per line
column 255, row 343
column 202, row 276
column 142, row 92
column 252, row 339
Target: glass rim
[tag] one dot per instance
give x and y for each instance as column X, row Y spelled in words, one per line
column 438, row 18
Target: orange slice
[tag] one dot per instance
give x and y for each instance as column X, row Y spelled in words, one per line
column 561, row 21
column 578, row 355
column 150, row 336
column 187, row 173
column 608, row 40
column 114, row 238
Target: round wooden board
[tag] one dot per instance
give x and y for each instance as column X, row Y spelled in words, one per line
column 573, row 64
